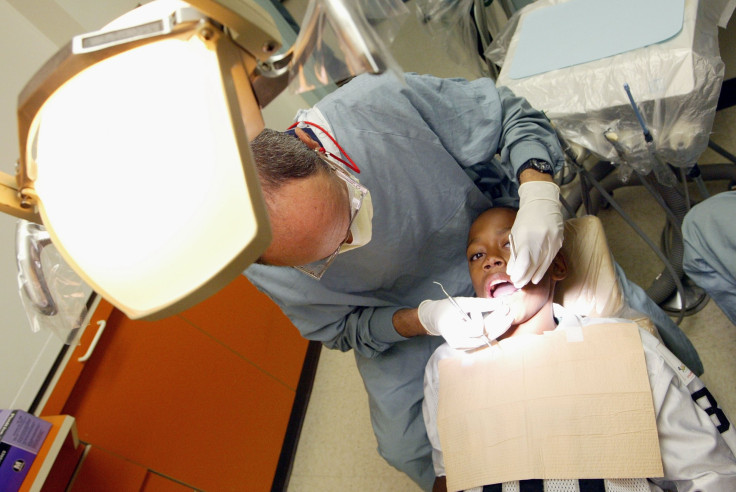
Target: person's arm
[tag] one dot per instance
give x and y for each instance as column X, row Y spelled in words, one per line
column 538, row 229
column 328, row 316
column 407, row 324
column 529, row 175
column 697, row 447
column 475, row 120
column 526, row 133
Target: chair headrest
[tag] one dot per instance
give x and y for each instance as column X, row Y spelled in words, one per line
column 591, row 287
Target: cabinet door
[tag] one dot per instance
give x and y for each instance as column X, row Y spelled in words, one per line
column 101, row 470
column 67, row 378
column 195, row 397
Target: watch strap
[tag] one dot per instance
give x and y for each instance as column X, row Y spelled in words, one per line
column 539, row 165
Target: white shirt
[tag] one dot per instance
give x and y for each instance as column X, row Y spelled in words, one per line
column 697, row 441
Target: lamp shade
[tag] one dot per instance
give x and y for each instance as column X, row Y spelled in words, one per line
column 144, row 178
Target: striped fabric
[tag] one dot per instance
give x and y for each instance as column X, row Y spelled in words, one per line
column 582, row 485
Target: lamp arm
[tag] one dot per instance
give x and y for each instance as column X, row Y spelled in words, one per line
column 10, row 202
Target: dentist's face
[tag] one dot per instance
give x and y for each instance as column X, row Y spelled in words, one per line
column 310, row 218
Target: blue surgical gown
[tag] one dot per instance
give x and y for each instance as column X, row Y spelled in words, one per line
column 709, row 237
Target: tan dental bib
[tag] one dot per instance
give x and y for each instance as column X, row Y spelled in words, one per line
column 568, row 404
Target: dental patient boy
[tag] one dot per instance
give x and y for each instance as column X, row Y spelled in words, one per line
column 697, row 441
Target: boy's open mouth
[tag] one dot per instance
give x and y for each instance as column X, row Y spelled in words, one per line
column 501, row 288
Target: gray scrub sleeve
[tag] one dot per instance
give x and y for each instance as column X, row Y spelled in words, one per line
column 709, row 238
column 526, row 133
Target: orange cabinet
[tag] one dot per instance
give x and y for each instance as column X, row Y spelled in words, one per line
column 204, row 398
column 101, row 470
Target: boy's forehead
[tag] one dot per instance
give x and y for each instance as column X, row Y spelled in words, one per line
column 498, row 217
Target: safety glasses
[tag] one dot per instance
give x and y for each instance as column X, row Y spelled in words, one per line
column 356, row 193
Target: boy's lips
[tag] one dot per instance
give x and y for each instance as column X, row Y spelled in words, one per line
column 499, row 285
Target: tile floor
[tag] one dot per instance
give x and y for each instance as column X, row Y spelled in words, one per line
column 337, row 449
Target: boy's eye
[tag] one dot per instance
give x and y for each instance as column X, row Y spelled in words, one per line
column 507, row 245
column 475, row 256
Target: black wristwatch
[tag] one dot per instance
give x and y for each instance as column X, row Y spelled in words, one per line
column 537, row 165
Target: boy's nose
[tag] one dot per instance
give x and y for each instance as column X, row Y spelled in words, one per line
column 493, row 262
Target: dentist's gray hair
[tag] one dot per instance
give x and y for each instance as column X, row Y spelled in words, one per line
column 281, row 157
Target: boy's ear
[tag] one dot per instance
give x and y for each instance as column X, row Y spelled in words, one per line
column 558, row 267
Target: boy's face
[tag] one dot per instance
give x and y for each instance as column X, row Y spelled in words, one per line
column 488, row 253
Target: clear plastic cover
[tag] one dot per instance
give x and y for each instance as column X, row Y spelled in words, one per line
column 675, row 84
column 53, row 296
column 341, row 39
column 452, row 22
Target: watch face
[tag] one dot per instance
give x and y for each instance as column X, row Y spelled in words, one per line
column 540, row 165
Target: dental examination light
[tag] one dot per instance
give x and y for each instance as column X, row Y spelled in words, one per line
column 134, row 151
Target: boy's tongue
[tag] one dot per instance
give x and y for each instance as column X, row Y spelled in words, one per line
column 504, row 289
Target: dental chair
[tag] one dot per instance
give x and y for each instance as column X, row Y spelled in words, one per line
column 591, row 287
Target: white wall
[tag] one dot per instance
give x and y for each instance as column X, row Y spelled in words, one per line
column 34, row 31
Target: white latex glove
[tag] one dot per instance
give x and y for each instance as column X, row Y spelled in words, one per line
column 444, row 318
column 536, row 236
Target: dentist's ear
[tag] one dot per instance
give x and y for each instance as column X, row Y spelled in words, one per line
column 306, row 139
column 558, row 267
